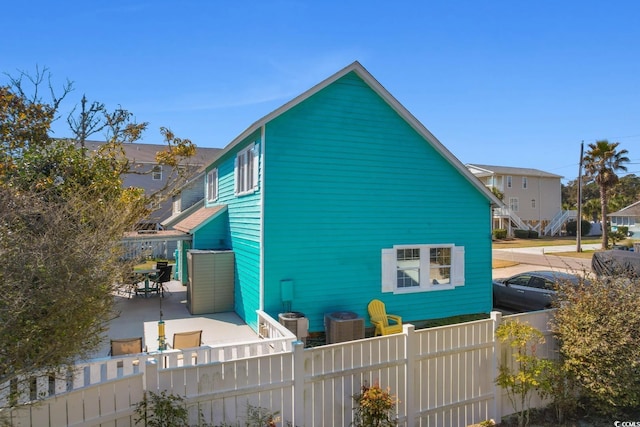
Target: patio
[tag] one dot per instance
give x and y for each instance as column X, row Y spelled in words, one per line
column 138, row 317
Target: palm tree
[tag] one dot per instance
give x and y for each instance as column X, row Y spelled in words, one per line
column 601, row 163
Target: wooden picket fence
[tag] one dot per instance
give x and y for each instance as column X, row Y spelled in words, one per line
column 441, row 376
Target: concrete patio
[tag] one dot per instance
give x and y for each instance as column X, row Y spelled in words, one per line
column 138, row 316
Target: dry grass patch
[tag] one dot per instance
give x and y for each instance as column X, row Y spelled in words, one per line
column 501, row 263
column 542, row 241
column 573, row 254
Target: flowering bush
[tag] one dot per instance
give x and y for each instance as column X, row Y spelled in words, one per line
column 374, row 407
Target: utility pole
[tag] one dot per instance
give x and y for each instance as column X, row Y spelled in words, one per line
column 579, row 219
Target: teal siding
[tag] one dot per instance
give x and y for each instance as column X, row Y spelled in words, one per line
column 214, row 234
column 241, row 233
column 347, row 177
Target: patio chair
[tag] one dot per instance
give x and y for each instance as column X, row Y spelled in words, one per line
column 385, row 323
column 183, row 340
column 159, row 265
column 130, row 282
column 164, row 276
column 123, row 346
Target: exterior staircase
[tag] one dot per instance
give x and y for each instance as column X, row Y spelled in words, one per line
column 512, row 218
column 558, row 221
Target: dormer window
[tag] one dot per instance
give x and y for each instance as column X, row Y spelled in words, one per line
column 156, row 173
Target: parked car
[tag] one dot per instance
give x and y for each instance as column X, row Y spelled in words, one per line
column 531, row 290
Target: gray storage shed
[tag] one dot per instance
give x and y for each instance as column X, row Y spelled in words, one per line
column 210, row 286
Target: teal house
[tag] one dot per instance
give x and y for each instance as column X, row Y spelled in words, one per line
column 341, row 196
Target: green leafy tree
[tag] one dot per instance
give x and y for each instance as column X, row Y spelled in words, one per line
column 569, row 195
column 598, row 328
column 521, row 375
column 499, row 194
column 601, row 163
column 64, row 212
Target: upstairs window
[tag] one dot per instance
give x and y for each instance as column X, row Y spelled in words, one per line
column 176, row 206
column 212, row 185
column 246, row 170
column 525, row 182
column 419, row 268
column 509, row 181
column 156, row 173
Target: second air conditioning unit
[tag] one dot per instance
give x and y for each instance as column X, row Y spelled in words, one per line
column 343, row 326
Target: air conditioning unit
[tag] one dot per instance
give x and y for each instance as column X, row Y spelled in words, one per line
column 343, row 326
column 296, row 322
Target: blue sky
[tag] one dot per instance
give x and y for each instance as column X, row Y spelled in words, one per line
column 505, row 83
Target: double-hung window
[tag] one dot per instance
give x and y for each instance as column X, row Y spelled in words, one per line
column 212, row 185
column 509, row 181
column 246, row 170
column 514, row 204
column 156, row 173
column 525, row 182
column 418, row 268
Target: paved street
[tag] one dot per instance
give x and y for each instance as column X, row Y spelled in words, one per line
column 542, row 258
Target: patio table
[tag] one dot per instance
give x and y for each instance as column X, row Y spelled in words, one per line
column 146, row 273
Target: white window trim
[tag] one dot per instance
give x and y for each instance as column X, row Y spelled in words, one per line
column 509, row 181
column 390, row 269
column 249, row 156
column 212, row 185
column 156, row 171
column 176, row 206
column 514, row 201
column 525, row 182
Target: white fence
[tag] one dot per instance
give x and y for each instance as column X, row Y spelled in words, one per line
column 441, row 376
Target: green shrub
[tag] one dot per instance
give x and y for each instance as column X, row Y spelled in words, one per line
column 572, row 228
column 521, row 234
column 499, row 233
column 533, row 234
column 161, row 410
column 598, row 327
column 374, row 407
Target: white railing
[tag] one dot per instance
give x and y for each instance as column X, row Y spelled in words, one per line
column 558, row 221
column 268, row 328
column 505, row 212
column 98, row 371
column 441, row 376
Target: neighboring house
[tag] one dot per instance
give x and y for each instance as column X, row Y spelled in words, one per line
column 627, row 217
column 150, row 176
column 532, row 198
column 188, row 195
column 341, row 196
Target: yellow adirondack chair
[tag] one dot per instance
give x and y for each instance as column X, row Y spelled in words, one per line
column 385, row 323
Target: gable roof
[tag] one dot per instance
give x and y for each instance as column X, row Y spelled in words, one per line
column 485, row 170
column 631, row 210
column 146, row 153
column 199, row 218
column 359, row 70
column 179, row 216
